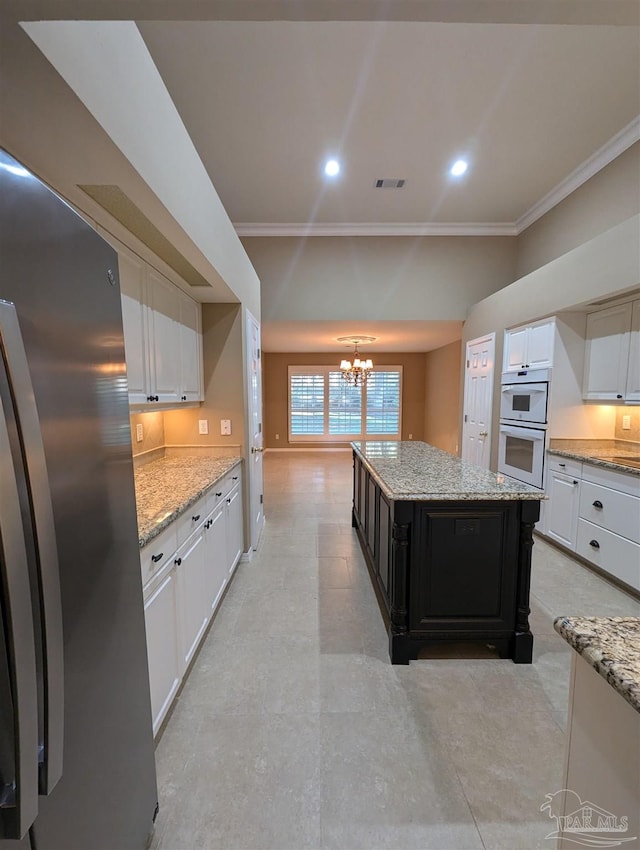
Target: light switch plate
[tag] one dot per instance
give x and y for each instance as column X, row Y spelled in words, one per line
column 139, row 432
column 203, row 426
column 626, row 423
column 225, row 427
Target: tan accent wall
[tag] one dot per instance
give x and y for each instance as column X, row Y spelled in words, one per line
column 610, row 197
column 152, row 430
column 223, row 354
column 275, row 394
column 634, row 432
column 443, row 371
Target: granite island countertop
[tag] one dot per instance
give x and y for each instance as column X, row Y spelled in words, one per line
column 612, row 646
column 416, row 471
column 166, row 487
column 598, row 452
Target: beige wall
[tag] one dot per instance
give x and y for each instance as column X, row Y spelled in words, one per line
column 275, row 394
column 443, row 369
column 152, row 432
column 373, row 278
column 634, row 432
column 607, row 199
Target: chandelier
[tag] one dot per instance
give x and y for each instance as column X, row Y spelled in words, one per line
column 357, row 371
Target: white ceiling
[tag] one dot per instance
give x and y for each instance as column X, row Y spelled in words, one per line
column 265, row 102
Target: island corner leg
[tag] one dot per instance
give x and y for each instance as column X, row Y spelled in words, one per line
column 399, row 639
column 522, row 645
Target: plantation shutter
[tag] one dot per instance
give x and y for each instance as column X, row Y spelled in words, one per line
column 383, row 403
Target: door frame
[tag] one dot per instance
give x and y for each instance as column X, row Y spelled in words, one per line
column 255, row 440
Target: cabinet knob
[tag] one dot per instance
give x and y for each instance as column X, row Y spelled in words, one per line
column 594, row 544
column 575, row 481
column 234, row 478
column 218, row 495
column 184, row 398
column 178, row 561
column 153, row 398
column 228, row 501
column 597, row 504
column 619, row 395
column 196, row 517
column 156, row 558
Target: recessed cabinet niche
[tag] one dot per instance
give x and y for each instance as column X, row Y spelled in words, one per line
column 162, row 337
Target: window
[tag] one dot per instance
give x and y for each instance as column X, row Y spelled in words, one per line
column 324, row 407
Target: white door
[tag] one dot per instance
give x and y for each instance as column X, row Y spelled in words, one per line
column 254, row 378
column 478, row 399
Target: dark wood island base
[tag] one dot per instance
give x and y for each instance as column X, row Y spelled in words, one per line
column 447, row 569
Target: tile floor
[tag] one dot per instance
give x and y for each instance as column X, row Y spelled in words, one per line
column 294, row 731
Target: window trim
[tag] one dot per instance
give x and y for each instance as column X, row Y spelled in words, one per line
column 338, row 438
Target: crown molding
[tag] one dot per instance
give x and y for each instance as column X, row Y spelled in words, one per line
column 376, row 229
column 617, row 145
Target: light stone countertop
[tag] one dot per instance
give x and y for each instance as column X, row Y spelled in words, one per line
column 166, row 487
column 416, row 471
column 598, row 452
column 612, row 646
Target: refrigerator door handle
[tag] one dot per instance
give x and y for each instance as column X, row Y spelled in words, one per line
column 19, row 803
column 13, row 351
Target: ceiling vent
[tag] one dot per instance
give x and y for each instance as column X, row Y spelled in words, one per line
column 389, row 183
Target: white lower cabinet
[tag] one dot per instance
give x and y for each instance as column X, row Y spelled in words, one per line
column 561, row 510
column 163, row 644
column 190, row 561
column 184, row 586
column 595, row 512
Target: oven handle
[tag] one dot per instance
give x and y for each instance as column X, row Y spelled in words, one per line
column 522, row 389
column 531, row 433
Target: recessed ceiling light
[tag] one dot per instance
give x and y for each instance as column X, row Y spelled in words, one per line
column 331, row 167
column 458, row 168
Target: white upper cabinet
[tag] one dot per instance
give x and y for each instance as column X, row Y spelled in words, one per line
column 163, row 337
column 633, row 374
column 529, row 346
column 607, row 353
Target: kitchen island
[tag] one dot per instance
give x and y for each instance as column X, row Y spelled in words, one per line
column 448, row 547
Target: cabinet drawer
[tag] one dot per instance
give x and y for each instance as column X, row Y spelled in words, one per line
column 614, row 554
column 611, row 509
column 626, row 482
column 191, row 519
column 157, row 552
column 555, row 463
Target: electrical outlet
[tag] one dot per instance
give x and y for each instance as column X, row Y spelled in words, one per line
column 626, row 423
column 411, row 436
column 203, row 426
column 140, row 432
column 225, row 427
column 277, row 436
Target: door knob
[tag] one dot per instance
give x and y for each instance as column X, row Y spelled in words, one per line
column 483, row 434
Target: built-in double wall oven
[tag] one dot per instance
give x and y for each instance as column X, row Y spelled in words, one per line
column 524, row 399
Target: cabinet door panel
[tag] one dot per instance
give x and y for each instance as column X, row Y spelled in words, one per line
column 161, row 623
column 633, row 375
column 607, row 353
column 515, row 349
column 194, row 606
column 235, row 532
column 562, row 509
column 540, row 345
column 190, row 350
column 164, row 303
column 136, row 334
column 216, row 570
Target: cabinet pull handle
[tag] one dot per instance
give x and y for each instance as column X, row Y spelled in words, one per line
column 218, row 495
column 196, row 517
column 575, row 481
column 562, row 465
column 178, row 561
column 234, row 478
column 156, row 558
column 594, row 544
column 597, row 504
column 153, row 398
column 228, row 501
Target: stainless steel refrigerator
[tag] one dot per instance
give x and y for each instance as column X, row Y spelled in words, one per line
column 77, row 767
